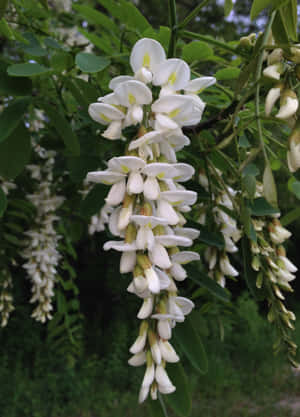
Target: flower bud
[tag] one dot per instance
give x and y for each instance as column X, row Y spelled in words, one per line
column 295, row 51
column 275, row 56
column 272, row 96
column 130, row 233
column 293, row 154
column 288, row 105
column 274, row 71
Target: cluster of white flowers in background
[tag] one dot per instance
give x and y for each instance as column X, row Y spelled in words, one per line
column 6, row 284
column 270, row 261
column 6, row 298
column 277, row 68
column 41, row 252
column 147, row 198
column 217, row 260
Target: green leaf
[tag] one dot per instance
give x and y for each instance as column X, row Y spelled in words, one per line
column 251, row 169
column 258, row 6
column 270, row 191
column 279, row 30
column 52, row 43
column 3, row 202
column 196, row 51
column 63, row 128
column 133, row 17
column 13, row 86
column 261, row 207
column 95, row 17
column 5, row 30
column 3, row 6
column 229, row 73
column 61, row 61
column 249, row 183
column 155, row 409
column 290, row 217
column 247, row 223
column 93, row 202
column 190, row 342
column 80, row 166
column 296, row 188
column 112, row 7
column 228, row 7
column 211, row 238
column 26, row 70
column 244, row 142
column 15, row 152
column 33, row 47
column 180, row 400
column 91, row 63
column 205, row 281
column 101, row 43
column 11, row 116
column 288, row 15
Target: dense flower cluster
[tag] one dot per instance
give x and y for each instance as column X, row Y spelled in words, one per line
column 278, row 65
column 275, row 270
column 41, row 252
column 6, row 298
column 217, row 260
column 147, row 199
column 6, row 284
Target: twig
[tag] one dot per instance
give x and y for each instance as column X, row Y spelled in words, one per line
column 173, row 26
column 193, row 14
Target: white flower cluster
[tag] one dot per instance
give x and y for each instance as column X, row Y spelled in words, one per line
column 217, row 260
column 277, row 69
column 41, row 252
column 6, row 298
column 6, row 284
column 145, row 203
column 270, row 261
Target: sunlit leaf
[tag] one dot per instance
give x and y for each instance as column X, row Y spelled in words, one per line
column 196, row 51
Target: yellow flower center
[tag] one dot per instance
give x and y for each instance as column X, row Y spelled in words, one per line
column 131, row 99
column 172, row 78
column 105, row 118
column 174, row 113
column 146, row 60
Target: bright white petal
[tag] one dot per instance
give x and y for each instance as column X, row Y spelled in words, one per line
column 133, row 92
column 147, row 53
column 104, row 113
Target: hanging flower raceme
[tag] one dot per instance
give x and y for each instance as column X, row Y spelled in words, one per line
column 147, row 198
column 275, row 270
column 217, row 260
column 41, row 252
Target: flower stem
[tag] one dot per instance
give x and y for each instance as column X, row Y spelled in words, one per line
column 163, row 406
column 173, row 26
column 193, row 14
column 257, row 78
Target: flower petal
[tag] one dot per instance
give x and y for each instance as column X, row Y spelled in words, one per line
column 104, row 177
column 104, row 113
column 147, row 53
column 133, row 92
column 173, row 72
